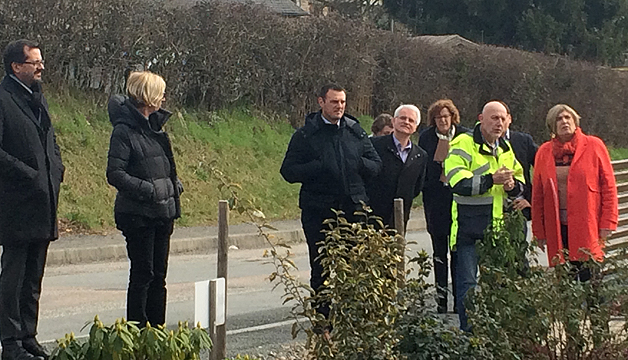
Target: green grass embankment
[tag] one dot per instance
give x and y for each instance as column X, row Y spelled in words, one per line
column 618, row 153
column 247, row 146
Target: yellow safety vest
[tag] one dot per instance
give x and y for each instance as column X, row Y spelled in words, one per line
column 469, row 160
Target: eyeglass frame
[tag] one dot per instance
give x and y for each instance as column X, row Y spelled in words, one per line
column 36, row 63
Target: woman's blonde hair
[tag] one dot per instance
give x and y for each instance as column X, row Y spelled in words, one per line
column 146, row 88
column 553, row 113
column 438, row 106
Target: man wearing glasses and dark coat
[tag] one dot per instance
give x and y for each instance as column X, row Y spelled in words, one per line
column 31, row 172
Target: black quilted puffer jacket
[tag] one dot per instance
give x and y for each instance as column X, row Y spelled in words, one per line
column 140, row 162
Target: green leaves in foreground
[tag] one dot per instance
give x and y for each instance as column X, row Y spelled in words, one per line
column 125, row 341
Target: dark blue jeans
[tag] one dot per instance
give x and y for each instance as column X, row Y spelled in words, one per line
column 472, row 221
column 466, row 277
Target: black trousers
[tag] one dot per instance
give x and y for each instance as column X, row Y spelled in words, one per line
column 580, row 272
column 312, row 222
column 148, row 246
column 20, row 289
column 442, row 267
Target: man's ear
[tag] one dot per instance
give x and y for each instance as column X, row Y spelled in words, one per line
column 14, row 67
column 480, row 117
column 321, row 101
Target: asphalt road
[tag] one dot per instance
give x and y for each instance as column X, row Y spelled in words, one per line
column 73, row 294
column 257, row 322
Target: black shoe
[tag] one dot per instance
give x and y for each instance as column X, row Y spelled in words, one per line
column 17, row 352
column 33, row 347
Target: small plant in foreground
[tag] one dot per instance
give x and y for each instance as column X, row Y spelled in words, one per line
column 123, row 340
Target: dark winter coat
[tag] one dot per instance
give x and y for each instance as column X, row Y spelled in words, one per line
column 141, row 164
column 397, row 179
column 525, row 150
column 437, row 196
column 31, row 168
column 331, row 162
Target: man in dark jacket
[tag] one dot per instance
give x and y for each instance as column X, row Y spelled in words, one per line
column 403, row 166
column 332, row 157
column 525, row 150
column 29, row 190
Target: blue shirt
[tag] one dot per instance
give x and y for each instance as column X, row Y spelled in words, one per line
column 403, row 152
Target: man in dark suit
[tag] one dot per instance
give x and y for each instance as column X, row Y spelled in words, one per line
column 525, row 150
column 403, row 170
column 30, row 177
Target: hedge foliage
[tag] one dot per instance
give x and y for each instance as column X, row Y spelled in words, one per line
column 217, row 54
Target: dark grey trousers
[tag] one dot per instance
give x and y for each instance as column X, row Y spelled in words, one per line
column 20, row 289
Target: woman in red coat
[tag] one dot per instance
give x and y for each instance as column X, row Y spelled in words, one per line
column 574, row 197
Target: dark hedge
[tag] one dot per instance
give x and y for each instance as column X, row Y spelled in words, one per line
column 217, row 55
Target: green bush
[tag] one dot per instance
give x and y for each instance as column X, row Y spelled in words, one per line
column 546, row 313
column 123, row 340
column 243, row 357
column 376, row 311
column 362, row 287
column 423, row 335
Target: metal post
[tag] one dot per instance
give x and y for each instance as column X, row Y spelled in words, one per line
column 400, row 226
column 219, row 339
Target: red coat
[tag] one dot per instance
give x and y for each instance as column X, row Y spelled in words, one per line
column 591, row 199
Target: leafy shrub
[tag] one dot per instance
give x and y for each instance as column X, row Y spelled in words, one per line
column 423, row 335
column 547, row 313
column 374, row 315
column 123, row 340
column 362, row 287
column 243, row 357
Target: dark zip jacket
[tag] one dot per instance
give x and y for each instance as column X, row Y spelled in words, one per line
column 140, row 163
column 331, row 162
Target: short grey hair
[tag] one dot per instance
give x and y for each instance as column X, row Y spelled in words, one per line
column 411, row 107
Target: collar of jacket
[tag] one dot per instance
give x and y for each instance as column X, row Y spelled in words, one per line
column 154, row 123
column 314, row 122
column 28, row 90
column 484, row 148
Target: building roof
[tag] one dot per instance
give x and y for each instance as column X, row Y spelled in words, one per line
column 283, row 7
column 446, row 40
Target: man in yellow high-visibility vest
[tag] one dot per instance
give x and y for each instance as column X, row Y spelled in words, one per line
column 482, row 171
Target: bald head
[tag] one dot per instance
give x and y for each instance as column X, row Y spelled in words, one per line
column 494, row 105
column 494, row 120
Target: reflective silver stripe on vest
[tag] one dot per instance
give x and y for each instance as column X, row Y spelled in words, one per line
column 473, row 200
column 453, row 172
column 482, row 169
column 475, row 185
column 465, row 155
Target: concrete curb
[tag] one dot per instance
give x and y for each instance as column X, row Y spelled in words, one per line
column 197, row 245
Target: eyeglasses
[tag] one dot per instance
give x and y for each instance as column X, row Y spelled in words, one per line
column 36, row 63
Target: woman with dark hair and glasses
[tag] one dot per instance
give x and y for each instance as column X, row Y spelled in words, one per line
column 443, row 120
